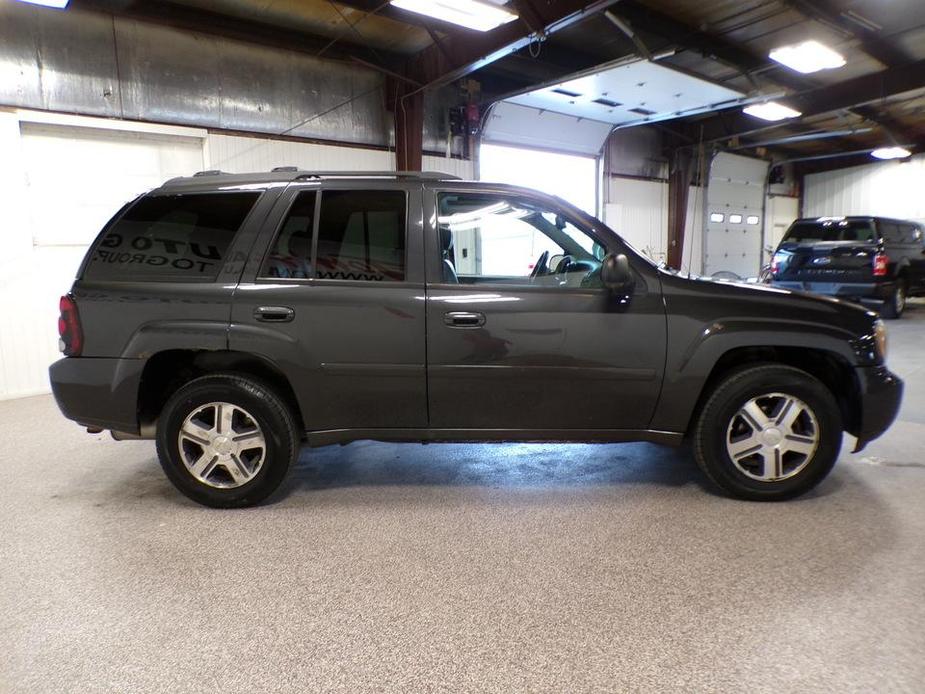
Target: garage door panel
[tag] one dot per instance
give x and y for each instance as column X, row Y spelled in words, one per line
column 736, row 196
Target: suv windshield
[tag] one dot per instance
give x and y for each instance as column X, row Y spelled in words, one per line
column 832, row 230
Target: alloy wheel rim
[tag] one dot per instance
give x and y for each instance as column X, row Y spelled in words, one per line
column 772, row 437
column 222, row 445
column 900, row 299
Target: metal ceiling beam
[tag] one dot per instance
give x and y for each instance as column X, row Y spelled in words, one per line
column 463, row 55
column 860, row 91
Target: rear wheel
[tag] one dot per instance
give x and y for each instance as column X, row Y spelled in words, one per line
column 768, row 433
column 227, row 441
column 894, row 306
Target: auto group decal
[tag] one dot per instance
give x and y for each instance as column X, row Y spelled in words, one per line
column 142, row 250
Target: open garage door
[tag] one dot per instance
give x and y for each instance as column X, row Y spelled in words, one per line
column 76, row 179
column 735, row 213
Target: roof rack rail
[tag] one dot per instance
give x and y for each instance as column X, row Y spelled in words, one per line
column 282, row 169
column 413, row 175
column 210, row 172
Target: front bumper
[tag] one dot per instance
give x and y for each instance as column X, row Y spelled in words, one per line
column 881, row 393
column 98, row 392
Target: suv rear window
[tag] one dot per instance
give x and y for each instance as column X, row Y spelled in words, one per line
column 181, row 238
column 832, row 230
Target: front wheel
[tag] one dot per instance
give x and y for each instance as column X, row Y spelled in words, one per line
column 768, row 433
column 227, row 441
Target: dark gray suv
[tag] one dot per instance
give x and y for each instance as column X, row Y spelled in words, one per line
column 235, row 317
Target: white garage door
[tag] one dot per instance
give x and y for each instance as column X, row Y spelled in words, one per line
column 735, row 216
column 76, row 179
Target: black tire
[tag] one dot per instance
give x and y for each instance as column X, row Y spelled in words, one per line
column 721, row 408
column 894, row 306
column 281, row 436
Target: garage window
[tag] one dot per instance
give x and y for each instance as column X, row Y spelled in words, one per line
column 170, row 238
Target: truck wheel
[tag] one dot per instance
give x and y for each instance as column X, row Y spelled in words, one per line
column 227, row 441
column 896, row 304
column 768, row 433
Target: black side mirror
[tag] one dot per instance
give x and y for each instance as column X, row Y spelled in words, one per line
column 617, row 275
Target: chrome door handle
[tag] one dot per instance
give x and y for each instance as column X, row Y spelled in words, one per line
column 464, row 319
column 274, row 314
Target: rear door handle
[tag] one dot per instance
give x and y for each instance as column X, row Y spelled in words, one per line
column 464, row 319
column 274, row 314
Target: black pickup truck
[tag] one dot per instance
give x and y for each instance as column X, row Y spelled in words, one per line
column 872, row 260
column 234, row 318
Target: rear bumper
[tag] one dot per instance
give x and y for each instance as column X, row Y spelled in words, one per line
column 881, row 394
column 99, row 393
column 872, row 292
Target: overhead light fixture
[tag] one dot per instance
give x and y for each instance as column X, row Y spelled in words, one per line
column 771, row 110
column 472, row 14
column 807, row 57
column 57, row 4
column 891, row 153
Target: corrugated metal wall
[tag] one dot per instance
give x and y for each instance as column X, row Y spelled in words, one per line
column 892, row 189
column 96, row 64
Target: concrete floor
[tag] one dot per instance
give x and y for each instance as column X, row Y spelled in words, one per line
column 461, row 568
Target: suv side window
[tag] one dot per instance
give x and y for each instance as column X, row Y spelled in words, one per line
column 291, row 254
column 910, row 233
column 361, row 235
column 179, row 238
column 488, row 237
column 890, row 232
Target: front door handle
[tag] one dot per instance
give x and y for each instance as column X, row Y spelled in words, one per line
column 274, row 314
column 464, row 319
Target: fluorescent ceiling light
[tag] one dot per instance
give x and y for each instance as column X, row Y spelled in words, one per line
column 472, row 14
column 891, row 153
column 58, row 4
column 806, row 57
column 771, row 110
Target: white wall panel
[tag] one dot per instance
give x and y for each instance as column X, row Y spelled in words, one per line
column 463, row 168
column 239, row 154
column 692, row 257
column 243, row 154
column 63, row 177
column 638, row 211
column 66, row 182
column 891, row 189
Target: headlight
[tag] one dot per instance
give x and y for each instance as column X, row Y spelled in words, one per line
column 880, row 339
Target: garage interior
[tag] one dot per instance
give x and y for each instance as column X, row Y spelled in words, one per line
column 452, row 567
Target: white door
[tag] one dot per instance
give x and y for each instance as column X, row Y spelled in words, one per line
column 734, row 218
column 76, row 179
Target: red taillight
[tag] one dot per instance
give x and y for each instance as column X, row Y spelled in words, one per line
column 881, row 261
column 71, row 341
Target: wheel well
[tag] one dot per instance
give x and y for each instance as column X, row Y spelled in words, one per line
column 167, row 371
column 832, row 370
